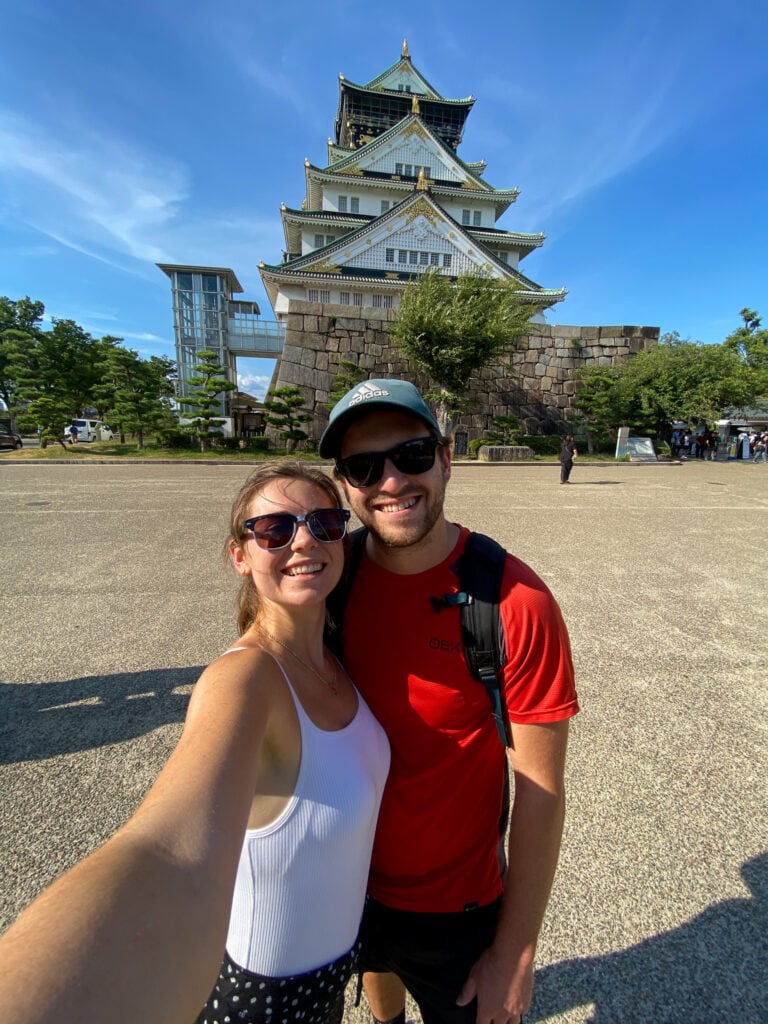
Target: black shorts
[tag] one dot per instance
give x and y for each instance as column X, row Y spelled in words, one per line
column 315, row 997
column 431, row 953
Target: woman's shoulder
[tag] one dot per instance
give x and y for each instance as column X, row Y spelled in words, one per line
column 244, row 673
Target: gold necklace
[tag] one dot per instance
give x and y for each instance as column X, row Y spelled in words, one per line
column 311, row 668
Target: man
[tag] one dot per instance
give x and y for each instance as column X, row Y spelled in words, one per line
column 435, row 915
column 567, row 454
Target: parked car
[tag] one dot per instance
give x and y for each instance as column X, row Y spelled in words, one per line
column 89, row 430
column 9, row 439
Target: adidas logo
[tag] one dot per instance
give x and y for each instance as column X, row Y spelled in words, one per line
column 366, row 391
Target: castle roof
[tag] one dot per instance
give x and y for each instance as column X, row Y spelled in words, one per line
column 372, row 253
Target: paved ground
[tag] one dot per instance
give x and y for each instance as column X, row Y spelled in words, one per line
column 113, row 597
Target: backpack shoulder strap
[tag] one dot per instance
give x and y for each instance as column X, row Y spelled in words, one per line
column 336, row 602
column 480, row 571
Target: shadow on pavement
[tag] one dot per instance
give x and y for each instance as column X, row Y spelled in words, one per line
column 713, row 968
column 41, row 720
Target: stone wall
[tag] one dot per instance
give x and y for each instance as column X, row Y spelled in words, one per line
column 530, row 380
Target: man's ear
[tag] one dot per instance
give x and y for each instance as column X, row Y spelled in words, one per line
column 445, row 460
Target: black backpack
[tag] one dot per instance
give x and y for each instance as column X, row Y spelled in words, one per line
column 480, row 571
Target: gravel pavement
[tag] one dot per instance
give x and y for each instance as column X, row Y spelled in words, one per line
column 114, row 597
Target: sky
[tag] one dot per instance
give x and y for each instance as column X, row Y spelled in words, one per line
column 142, row 132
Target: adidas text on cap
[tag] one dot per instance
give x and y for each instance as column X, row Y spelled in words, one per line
column 371, row 395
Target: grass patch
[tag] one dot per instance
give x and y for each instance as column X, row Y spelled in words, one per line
column 113, row 450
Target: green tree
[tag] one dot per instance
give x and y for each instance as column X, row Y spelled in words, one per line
column 675, row 379
column 135, row 392
column 208, row 382
column 449, row 329
column 285, row 410
column 19, row 325
column 503, row 429
column 345, row 378
column 750, row 342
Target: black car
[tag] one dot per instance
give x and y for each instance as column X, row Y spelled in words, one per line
column 9, row 440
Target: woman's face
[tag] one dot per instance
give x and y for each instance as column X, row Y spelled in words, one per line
column 305, row 571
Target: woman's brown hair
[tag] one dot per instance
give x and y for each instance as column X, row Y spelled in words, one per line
column 248, row 595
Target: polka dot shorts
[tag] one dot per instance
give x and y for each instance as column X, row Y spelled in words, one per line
column 316, row 997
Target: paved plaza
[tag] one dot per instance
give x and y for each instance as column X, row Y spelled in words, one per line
column 114, row 596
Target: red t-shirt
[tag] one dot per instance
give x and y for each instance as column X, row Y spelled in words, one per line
column 437, row 838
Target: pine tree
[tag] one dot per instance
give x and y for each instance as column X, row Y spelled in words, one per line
column 208, row 382
column 285, row 410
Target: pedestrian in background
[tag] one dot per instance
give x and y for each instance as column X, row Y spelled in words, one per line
column 567, row 454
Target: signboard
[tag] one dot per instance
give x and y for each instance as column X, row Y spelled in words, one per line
column 641, row 449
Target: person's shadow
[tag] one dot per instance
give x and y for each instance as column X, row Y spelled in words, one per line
column 712, row 969
column 42, row 720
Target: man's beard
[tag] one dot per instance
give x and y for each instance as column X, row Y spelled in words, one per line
column 405, row 536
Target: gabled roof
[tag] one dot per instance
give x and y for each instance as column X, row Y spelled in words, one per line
column 402, row 72
column 365, row 110
column 317, row 177
column 353, row 162
column 360, row 255
column 295, row 220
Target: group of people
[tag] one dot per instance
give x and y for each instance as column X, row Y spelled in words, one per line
column 752, row 445
column 322, row 815
column 700, row 445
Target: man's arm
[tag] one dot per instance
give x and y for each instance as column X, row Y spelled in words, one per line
column 502, row 979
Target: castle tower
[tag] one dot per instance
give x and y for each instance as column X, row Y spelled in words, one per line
column 393, row 199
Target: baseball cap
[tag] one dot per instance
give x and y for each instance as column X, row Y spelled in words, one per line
column 371, row 395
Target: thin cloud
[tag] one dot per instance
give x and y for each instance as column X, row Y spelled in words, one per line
column 95, row 189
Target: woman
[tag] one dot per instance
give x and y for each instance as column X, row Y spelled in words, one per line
column 273, row 791
column 567, row 454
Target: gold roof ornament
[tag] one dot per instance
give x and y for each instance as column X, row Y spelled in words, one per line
column 304, row 203
column 405, row 50
column 415, row 109
column 422, row 185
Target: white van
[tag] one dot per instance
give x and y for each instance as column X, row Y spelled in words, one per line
column 89, row 430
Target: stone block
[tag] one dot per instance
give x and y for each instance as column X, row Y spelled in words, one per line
column 539, row 370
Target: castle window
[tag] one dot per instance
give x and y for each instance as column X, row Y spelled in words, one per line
column 314, row 295
column 398, row 168
column 476, row 218
column 434, row 259
column 344, row 298
column 329, row 239
column 427, row 171
column 402, row 256
column 342, row 204
column 378, row 301
column 387, row 302
column 385, row 204
column 465, row 216
column 390, row 255
column 358, row 298
column 319, row 241
column 354, row 205
column 423, row 258
column 325, row 296
column 503, row 256
column 446, row 259
column 413, row 257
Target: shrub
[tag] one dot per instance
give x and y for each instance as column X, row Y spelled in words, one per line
column 543, row 444
column 174, row 439
column 476, row 445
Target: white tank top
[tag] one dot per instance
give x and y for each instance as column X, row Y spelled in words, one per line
column 301, row 880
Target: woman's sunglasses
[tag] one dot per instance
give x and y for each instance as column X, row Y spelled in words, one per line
column 277, row 529
column 411, row 457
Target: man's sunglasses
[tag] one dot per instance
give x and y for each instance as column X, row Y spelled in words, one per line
column 411, row 457
column 277, row 529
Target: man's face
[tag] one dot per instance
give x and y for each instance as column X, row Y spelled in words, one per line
column 400, row 510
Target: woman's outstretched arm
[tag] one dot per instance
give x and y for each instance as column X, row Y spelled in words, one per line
column 136, row 931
